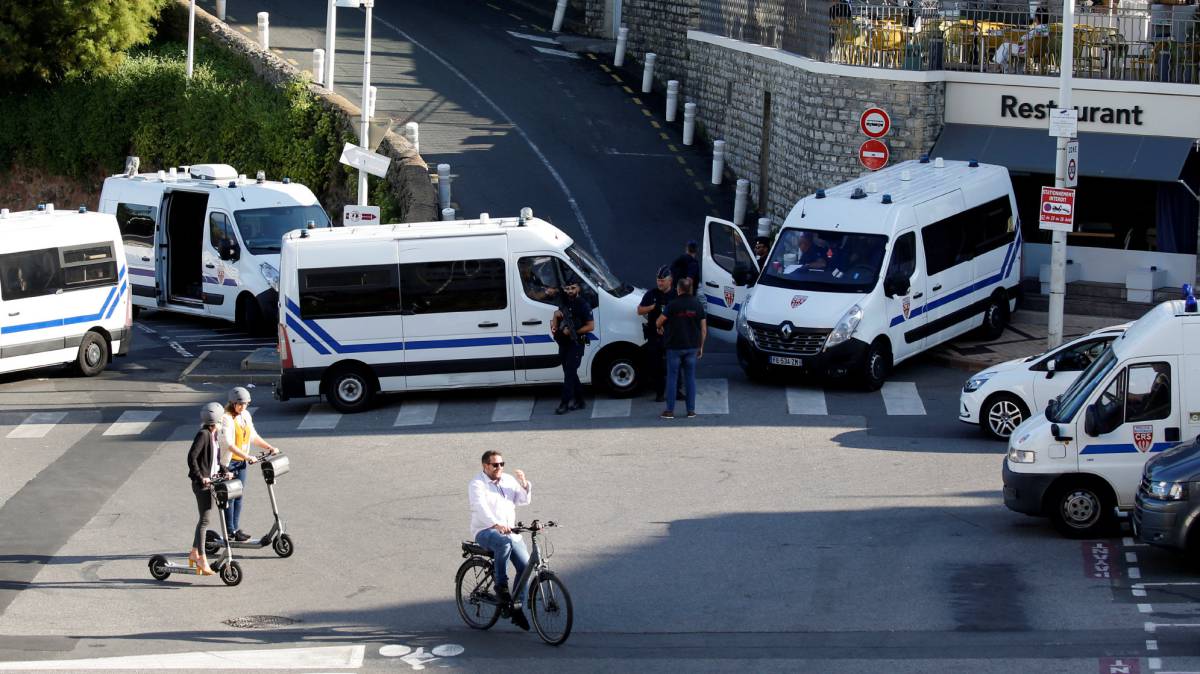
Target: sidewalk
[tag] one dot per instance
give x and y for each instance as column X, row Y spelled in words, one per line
column 1025, row 336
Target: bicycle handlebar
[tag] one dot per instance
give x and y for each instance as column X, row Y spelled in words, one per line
column 534, row 526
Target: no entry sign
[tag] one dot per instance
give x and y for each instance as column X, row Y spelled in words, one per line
column 1057, row 210
column 875, row 122
column 873, row 154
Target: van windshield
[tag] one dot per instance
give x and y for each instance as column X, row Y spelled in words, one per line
column 1068, row 404
column 262, row 229
column 818, row 260
column 596, row 272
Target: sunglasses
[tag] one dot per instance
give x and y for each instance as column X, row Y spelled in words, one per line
column 497, row 465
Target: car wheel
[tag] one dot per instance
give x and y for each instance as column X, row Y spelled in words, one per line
column 350, row 389
column 1000, row 415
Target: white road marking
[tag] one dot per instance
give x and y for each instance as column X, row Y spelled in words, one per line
column 1154, row 663
column 1127, row 541
column 557, row 52
column 617, row 153
column 1135, row 573
column 132, row 422
column 902, row 399
column 145, row 328
column 532, row 38
column 806, row 401
column 320, row 417
column 416, row 413
column 1131, row 557
column 1145, row 608
column 179, row 349
column 712, row 396
column 37, row 425
column 610, row 408
column 1152, row 644
column 513, row 409
column 331, row 657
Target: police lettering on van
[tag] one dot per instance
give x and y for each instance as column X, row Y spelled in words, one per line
column 869, row 273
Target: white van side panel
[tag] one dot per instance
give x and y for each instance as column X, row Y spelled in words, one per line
column 1190, row 381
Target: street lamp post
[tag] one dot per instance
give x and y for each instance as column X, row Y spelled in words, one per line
column 364, row 127
column 1058, row 242
column 330, row 34
column 191, row 50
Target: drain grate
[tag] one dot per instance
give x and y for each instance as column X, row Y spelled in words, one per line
column 254, row 622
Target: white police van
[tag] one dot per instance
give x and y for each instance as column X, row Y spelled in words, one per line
column 1083, row 457
column 205, row 241
column 64, row 290
column 871, row 272
column 440, row 305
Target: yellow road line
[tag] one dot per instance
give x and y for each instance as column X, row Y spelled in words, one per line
column 672, row 148
column 244, row 28
column 277, row 51
column 603, row 67
column 592, row 56
column 539, row 29
column 637, row 101
column 494, row 7
column 293, row 62
column 229, row 18
column 708, row 200
column 699, row 185
column 690, row 172
column 515, row 16
column 614, row 76
column 655, row 124
column 682, row 161
column 627, row 89
column 661, row 134
column 647, row 112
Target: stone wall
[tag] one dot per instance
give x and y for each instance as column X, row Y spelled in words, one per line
column 660, row 26
column 407, row 176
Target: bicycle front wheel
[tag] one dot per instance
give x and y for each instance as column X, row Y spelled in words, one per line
column 551, row 607
column 476, row 594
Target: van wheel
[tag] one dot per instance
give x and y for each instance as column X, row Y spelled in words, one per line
column 350, row 389
column 249, row 317
column 876, row 366
column 1081, row 509
column 93, row 355
column 618, row 373
column 995, row 317
column 1001, row 414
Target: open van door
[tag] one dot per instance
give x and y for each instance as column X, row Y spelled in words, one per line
column 728, row 270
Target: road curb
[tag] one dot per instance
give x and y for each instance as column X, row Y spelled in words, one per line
column 256, row 379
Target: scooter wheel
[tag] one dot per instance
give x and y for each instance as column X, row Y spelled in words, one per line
column 231, row 573
column 283, row 545
column 212, row 542
column 158, row 568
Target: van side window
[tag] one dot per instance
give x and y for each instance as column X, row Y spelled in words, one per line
column 137, row 223
column 29, row 273
column 219, row 230
column 1148, row 395
column 341, row 292
column 459, row 285
column 728, row 251
column 943, row 240
column 904, row 257
column 540, row 278
column 88, row 266
column 996, row 225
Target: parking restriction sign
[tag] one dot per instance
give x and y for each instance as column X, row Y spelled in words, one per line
column 1071, row 179
column 1057, row 210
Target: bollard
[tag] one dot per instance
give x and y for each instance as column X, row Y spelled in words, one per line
column 560, row 10
column 447, row 214
column 764, row 227
column 443, row 173
column 622, row 39
column 412, row 131
column 221, row 9
column 648, row 72
column 689, row 123
column 319, row 66
column 372, row 92
column 741, row 196
column 718, row 167
column 672, row 99
column 264, row 30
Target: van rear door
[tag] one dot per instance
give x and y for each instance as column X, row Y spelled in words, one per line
column 728, row 270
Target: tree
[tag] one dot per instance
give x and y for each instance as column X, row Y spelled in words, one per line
column 45, row 42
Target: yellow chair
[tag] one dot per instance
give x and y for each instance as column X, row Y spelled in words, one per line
column 886, row 44
column 959, row 38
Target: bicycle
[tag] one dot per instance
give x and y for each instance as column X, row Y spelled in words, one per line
column 549, row 602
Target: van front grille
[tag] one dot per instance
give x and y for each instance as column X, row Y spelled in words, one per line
column 803, row 342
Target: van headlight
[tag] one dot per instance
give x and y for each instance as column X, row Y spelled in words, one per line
column 743, row 325
column 845, row 327
column 270, row 275
column 975, row 382
column 1169, row 491
column 1022, row 455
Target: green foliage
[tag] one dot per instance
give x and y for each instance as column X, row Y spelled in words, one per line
column 47, row 41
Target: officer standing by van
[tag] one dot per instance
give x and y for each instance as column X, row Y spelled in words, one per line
column 653, row 302
column 687, row 265
column 570, row 326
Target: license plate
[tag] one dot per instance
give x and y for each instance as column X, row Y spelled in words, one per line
column 783, row 360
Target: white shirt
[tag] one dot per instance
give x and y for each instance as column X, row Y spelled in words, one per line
column 216, row 452
column 495, row 502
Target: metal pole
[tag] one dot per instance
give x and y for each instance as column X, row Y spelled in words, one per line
column 264, row 30
column 443, row 174
column 672, row 99
column 221, row 9
column 191, row 50
column 330, row 35
column 648, row 73
column 1058, row 241
column 718, row 162
column 616, row 27
column 412, row 131
column 319, row 66
column 689, row 123
column 364, row 128
column 560, row 11
column 622, row 40
column 741, row 196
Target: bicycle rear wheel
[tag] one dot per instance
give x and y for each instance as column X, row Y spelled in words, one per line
column 550, row 605
column 476, row 594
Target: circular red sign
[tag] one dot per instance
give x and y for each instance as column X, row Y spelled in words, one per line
column 875, row 122
column 873, row 154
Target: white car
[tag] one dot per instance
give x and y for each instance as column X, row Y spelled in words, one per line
column 1002, row 396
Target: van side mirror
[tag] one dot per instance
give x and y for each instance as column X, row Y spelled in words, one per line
column 1099, row 420
column 896, row 285
column 1057, row 434
column 229, row 251
column 1051, row 365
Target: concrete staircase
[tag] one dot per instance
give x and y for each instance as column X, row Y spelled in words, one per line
column 1089, row 298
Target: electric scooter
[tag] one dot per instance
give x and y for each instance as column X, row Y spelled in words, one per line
column 273, row 466
column 229, row 570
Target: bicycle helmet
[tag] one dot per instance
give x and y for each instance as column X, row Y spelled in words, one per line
column 211, row 414
column 239, row 394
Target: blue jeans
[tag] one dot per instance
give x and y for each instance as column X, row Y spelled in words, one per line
column 684, row 359
column 233, row 514
column 505, row 547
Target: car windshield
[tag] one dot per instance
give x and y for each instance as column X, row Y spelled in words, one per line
column 596, row 273
column 813, row 259
column 262, row 229
column 1072, row 399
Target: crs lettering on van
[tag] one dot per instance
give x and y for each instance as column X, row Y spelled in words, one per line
column 64, row 290
column 1083, row 457
column 869, row 273
column 440, row 305
column 205, row 241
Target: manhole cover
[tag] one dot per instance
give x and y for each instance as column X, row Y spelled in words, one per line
column 260, row 621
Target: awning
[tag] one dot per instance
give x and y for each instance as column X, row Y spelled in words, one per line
column 1101, row 155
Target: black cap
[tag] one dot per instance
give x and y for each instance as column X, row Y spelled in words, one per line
column 664, row 272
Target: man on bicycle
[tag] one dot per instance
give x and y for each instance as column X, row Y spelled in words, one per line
column 494, row 498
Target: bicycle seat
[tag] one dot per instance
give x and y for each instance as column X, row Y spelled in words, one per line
column 473, row 549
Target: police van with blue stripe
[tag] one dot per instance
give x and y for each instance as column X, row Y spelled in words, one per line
column 64, row 291
column 441, row 305
column 869, row 273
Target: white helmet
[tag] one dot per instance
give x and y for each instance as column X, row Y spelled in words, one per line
column 239, row 394
column 211, row 414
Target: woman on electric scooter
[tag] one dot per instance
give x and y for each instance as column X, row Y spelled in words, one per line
column 238, row 435
column 204, row 466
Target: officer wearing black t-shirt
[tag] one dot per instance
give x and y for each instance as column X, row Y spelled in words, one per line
column 570, row 326
column 652, row 304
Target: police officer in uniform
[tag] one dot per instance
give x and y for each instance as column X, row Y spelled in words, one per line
column 570, row 326
column 651, row 307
